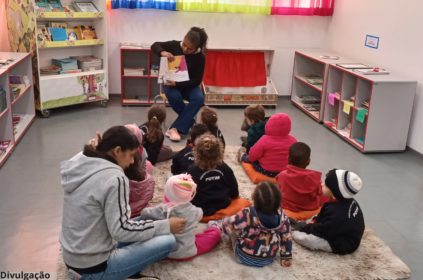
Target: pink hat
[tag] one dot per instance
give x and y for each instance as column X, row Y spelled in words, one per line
column 136, row 130
column 179, row 189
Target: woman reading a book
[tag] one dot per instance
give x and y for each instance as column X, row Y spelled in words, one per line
column 193, row 48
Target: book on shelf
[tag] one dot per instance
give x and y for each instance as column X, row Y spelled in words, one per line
column 71, row 71
column 55, row 5
column 133, row 71
column 69, row 8
column 42, row 33
column 49, row 70
column 17, row 89
column 135, row 46
column 309, row 99
column 66, row 64
column 71, row 34
column 58, row 25
column 42, row 6
column 3, row 100
column 312, row 107
column 365, row 104
column 59, row 34
column 154, row 70
column 88, row 63
column 334, row 121
column 85, row 32
column 314, row 79
column 85, row 7
column 4, row 144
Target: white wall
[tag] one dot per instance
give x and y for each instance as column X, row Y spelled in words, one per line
column 283, row 33
column 398, row 24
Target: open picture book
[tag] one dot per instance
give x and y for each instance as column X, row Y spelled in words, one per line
column 176, row 70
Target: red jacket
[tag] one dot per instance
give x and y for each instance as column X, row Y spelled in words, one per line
column 273, row 148
column 301, row 189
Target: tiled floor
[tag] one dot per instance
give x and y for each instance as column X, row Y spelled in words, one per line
column 31, row 194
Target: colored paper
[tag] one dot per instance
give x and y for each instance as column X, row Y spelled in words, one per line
column 361, row 140
column 347, row 106
column 361, row 115
column 332, row 99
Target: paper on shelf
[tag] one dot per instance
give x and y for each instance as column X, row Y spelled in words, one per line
column 347, row 106
column 361, row 140
column 344, row 133
column 332, row 98
column 361, row 115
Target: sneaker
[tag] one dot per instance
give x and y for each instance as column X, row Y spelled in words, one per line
column 241, row 153
column 143, row 277
column 173, row 134
column 216, row 224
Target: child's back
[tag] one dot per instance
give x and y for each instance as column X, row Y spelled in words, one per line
column 140, row 193
column 255, row 116
column 272, row 149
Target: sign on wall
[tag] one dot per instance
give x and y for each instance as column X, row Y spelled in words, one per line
column 372, row 42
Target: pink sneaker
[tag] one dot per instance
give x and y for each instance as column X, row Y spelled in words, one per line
column 173, row 134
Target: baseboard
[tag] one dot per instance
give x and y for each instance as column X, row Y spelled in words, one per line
column 414, row 152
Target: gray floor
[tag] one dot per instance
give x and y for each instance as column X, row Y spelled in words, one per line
column 31, row 194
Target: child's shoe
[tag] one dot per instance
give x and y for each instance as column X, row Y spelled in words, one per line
column 241, row 153
column 215, row 224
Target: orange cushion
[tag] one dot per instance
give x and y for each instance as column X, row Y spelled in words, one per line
column 255, row 176
column 303, row 215
column 236, row 205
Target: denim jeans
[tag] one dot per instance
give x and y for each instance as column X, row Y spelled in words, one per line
column 258, row 168
column 131, row 257
column 186, row 113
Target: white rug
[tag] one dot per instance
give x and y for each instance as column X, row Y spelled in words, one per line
column 373, row 260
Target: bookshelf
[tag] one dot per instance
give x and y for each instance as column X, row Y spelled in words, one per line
column 390, row 103
column 64, row 89
column 139, row 90
column 308, row 62
column 23, row 105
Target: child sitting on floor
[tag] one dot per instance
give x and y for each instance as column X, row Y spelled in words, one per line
column 262, row 229
column 255, row 117
column 144, row 163
column 141, row 187
column 179, row 190
column 216, row 181
column 301, row 188
column 339, row 226
column 153, row 135
column 209, row 119
column 269, row 156
column 185, row 158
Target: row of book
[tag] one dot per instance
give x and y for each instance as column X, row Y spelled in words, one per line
column 314, row 79
column 3, row 100
column 365, row 104
column 16, row 120
column 59, row 31
column 308, row 99
column 3, row 146
column 74, row 64
column 139, row 71
column 56, row 6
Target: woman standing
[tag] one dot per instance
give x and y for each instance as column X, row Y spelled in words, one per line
column 96, row 214
column 193, row 47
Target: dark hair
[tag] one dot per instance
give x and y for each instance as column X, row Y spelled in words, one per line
column 208, row 151
column 156, row 116
column 209, row 117
column 299, row 154
column 197, row 130
column 255, row 113
column 198, row 37
column 267, row 197
column 134, row 172
column 116, row 136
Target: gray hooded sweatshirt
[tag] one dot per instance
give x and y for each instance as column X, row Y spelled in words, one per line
column 96, row 212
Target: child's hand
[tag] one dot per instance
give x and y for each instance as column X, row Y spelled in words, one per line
column 286, row 263
column 177, row 225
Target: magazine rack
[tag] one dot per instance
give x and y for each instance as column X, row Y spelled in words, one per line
column 264, row 95
column 64, row 89
column 23, row 105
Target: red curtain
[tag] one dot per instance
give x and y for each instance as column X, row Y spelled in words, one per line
column 303, row 7
column 225, row 69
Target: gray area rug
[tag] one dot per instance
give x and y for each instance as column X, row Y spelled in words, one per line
column 373, row 260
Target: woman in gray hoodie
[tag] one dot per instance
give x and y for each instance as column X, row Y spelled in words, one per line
column 96, row 214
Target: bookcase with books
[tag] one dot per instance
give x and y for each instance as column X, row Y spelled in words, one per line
column 309, row 80
column 371, row 112
column 17, row 110
column 68, row 46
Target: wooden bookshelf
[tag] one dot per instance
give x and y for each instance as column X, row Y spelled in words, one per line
column 386, row 123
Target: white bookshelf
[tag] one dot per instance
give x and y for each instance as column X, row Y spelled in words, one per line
column 309, row 62
column 65, row 89
column 386, row 123
column 23, row 105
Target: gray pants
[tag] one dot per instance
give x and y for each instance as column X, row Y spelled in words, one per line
column 234, row 237
column 311, row 241
column 165, row 154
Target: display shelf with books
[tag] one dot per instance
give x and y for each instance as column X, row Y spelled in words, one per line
column 310, row 77
column 64, row 30
column 16, row 72
column 364, row 107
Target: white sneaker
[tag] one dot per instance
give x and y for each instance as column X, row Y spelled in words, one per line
column 173, row 134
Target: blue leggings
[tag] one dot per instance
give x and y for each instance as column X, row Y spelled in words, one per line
column 258, row 168
column 186, row 113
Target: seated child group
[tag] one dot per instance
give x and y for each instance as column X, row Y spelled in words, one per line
column 290, row 202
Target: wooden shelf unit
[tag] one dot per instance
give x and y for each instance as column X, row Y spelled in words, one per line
column 139, row 90
column 382, row 130
column 23, row 105
column 309, row 62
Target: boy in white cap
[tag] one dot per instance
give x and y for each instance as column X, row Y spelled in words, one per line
column 179, row 190
column 339, row 226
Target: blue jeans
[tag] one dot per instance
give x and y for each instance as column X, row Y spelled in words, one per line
column 186, row 113
column 258, row 168
column 131, row 257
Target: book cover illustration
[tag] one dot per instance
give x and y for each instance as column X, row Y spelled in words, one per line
column 55, row 5
column 59, row 34
column 71, row 34
column 86, row 7
column 58, row 25
column 176, row 70
column 85, row 32
column 42, row 34
column 42, row 6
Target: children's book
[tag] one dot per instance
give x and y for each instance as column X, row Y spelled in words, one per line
column 58, row 25
column 59, row 34
column 85, row 32
column 68, row 7
column 86, row 7
column 42, row 6
column 55, row 5
column 71, row 34
column 176, row 70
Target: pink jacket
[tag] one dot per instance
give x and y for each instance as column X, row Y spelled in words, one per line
column 272, row 149
column 140, row 193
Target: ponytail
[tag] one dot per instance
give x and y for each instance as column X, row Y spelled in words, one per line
column 209, row 117
column 156, row 116
column 198, row 36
